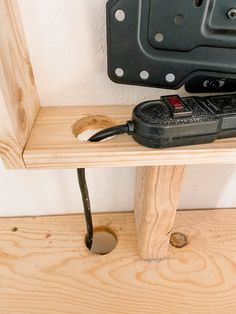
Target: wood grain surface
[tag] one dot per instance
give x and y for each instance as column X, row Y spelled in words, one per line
column 19, row 102
column 156, row 203
column 46, row 269
column 52, row 143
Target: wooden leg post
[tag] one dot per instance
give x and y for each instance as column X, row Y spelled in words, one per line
column 157, row 198
column 19, row 103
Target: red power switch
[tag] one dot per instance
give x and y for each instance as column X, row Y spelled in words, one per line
column 175, row 102
column 179, row 108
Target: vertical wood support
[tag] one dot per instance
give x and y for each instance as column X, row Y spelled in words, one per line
column 157, row 198
column 19, row 102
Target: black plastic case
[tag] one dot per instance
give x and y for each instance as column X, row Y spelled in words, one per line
column 169, row 43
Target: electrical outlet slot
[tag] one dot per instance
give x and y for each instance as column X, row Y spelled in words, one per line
column 84, row 128
column 104, row 240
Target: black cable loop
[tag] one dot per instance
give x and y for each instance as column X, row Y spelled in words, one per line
column 99, row 136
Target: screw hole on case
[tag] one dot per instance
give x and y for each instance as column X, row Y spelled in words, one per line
column 197, row 3
column 170, row 77
column 232, row 14
column 144, row 75
column 120, row 15
column 179, row 20
column 159, row 37
column 119, row 72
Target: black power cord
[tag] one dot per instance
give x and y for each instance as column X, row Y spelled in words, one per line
column 115, row 130
column 87, row 208
column 99, row 136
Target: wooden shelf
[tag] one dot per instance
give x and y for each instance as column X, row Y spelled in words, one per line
column 52, row 144
column 46, row 268
column 201, row 276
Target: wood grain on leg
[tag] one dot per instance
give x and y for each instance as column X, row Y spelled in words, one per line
column 18, row 97
column 157, row 197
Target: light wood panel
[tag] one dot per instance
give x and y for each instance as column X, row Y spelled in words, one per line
column 53, row 145
column 156, row 203
column 45, row 268
column 18, row 97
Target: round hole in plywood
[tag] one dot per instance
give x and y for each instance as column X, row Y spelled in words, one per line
column 84, row 128
column 104, row 240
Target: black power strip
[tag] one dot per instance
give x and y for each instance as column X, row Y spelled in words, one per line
column 174, row 121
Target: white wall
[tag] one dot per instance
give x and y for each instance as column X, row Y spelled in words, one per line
column 66, row 39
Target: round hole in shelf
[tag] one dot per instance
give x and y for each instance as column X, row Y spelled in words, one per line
column 84, row 128
column 104, row 240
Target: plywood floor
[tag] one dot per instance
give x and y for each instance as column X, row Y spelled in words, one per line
column 45, row 268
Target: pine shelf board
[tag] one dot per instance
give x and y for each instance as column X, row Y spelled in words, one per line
column 52, row 144
column 46, row 268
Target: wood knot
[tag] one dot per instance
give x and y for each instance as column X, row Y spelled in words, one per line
column 31, row 73
column 21, row 114
column 22, row 120
column 178, row 240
